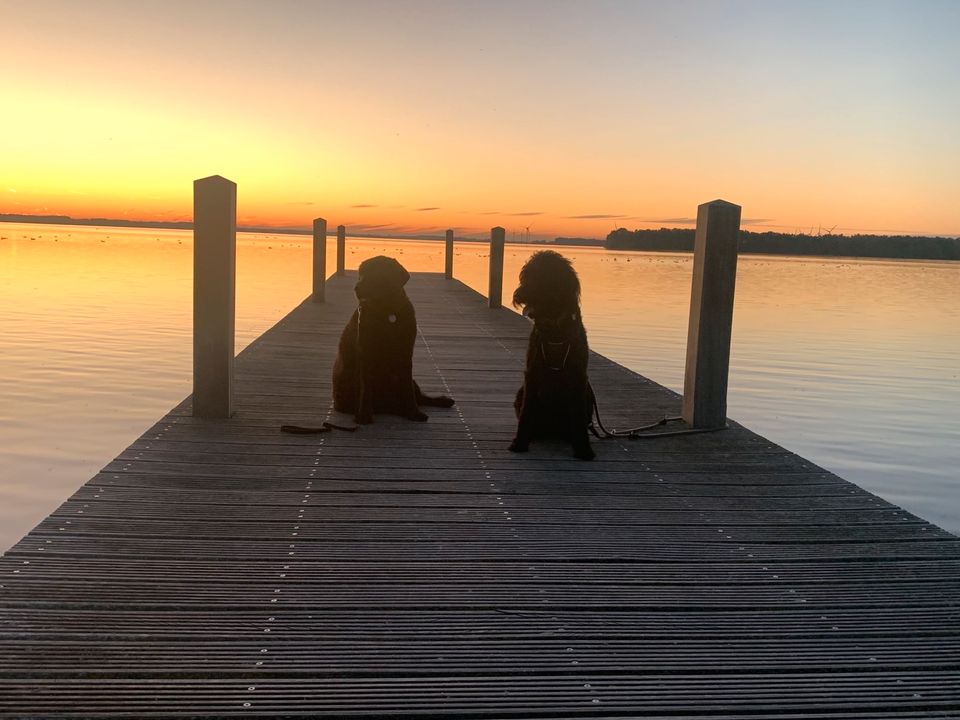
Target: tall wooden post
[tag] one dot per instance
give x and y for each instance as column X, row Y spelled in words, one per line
column 319, row 260
column 448, row 256
column 214, row 295
column 497, row 238
column 341, row 249
column 711, row 315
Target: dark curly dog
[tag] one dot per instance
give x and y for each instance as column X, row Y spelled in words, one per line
column 556, row 399
column 373, row 372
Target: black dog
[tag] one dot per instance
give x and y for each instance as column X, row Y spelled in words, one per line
column 556, row 399
column 373, row 371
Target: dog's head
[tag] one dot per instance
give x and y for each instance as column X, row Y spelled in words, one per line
column 549, row 287
column 380, row 277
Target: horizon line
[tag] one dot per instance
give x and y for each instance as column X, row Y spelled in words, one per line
column 295, row 230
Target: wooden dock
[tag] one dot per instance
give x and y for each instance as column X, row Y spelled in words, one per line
column 219, row 568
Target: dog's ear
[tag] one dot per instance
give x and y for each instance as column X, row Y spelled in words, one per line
column 398, row 273
column 519, row 298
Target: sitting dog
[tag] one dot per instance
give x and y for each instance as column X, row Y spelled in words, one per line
column 373, row 371
column 556, row 399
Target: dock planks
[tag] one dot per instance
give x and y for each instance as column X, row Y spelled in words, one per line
column 223, row 569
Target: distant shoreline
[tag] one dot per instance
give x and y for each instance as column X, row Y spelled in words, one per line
column 893, row 247
column 671, row 240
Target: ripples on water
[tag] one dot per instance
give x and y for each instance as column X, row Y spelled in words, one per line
column 852, row 364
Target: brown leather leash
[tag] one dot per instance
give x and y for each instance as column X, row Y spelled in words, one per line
column 600, row 432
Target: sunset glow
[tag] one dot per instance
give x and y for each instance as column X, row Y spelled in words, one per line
column 412, row 117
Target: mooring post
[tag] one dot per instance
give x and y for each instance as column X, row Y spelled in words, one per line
column 214, row 295
column 341, row 249
column 711, row 315
column 319, row 260
column 497, row 238
column 448, row 256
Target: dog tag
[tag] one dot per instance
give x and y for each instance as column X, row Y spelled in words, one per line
column 391, row 318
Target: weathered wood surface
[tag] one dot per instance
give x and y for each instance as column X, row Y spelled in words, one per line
column 220, row 568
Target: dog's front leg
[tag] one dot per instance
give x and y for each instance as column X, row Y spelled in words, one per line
column 581, row 444
column 412, row 411
column 525, row 421
column 365, row 393
column 364, row 414
column 579, row 422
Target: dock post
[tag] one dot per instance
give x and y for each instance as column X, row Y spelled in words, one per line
column 711, row 315
column 214, row 295
column 341, row 249
column 319, row 260
column 498, row 237
column 448, row 256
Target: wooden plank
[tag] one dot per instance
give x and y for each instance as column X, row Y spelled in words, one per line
column 720, row 696
column 36, row 623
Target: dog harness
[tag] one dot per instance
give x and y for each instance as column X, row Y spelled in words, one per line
column 555, row 348
column 552, row 345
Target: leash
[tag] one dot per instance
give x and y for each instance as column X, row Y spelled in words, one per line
column 600, row 432
column 597, row 428
column 325, row 427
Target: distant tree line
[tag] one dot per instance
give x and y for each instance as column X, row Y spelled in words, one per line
column 874, row 246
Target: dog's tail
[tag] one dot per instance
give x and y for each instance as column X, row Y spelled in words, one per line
column 325, row 427
column 432, row 400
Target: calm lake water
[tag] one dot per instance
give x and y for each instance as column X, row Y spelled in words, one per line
column 851, row 363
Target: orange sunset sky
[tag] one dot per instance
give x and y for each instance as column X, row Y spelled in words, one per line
column 572, row 118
